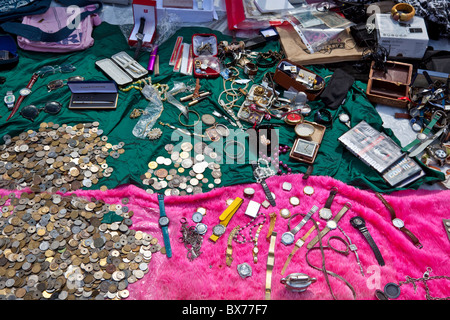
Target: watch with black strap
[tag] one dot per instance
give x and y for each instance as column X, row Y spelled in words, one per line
column 398, row 223
column 139, row 37
column 325, row 213
column 360, row 224
column 164, row 224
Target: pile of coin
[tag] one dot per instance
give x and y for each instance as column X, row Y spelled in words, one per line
column 56, row 157
column 67, row 247
column 182, row 172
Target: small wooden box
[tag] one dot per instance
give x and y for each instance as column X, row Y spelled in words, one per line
column 392, row 87
column 316, row 137
column 286, row 81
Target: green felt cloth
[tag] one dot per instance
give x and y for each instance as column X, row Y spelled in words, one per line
column 333, row 160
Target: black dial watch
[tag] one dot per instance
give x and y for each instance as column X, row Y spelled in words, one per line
column 139, row 37
column 360, row 224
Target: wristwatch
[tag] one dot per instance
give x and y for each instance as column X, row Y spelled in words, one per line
column 300, row 242
column 439, row 153
column 164, row 224
column 398, row 223
column 288, row 237
column 359, row 223
column 331, row 225
column 23, row 93
column 9, row 99
column 345, row 119
column 225, row 217
column 139, row 37
column 325, row 213
column 423, row 136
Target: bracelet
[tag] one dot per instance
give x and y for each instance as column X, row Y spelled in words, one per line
column 408, row 14
column 237, row 143
column 189, row 125
column 323, row 116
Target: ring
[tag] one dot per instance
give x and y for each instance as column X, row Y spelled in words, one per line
column 190, row 125
column 237, row 143
column 407, row 15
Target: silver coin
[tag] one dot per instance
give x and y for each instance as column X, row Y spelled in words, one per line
column 187, row 163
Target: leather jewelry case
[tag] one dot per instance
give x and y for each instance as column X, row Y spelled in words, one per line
column 93, row 94
column 291, row 75
column 204, row 51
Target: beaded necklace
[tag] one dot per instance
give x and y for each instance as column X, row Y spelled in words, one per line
column 250, row 231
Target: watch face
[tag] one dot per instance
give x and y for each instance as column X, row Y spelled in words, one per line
column 25, row 92
column 219, row 230
column 440, row 153
column 308, row 190
column 9, row 99
column 398, row 223
column 201, row 228
column 287, row 238
column 422, row 136
column 343, row 117
column 197, row 217
column 305, row 148
column 332, row 224
column 285, row 213
column 163, row 221
column 357, row 222
column 325, row 213
column 244, row 270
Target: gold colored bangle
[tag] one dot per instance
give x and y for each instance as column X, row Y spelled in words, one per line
column 402, row 16
column 189, row 125
column 270, row 264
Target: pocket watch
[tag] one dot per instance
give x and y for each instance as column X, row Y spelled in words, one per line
column 304, row 130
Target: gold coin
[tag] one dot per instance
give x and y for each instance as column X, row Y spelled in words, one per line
column 152, row 165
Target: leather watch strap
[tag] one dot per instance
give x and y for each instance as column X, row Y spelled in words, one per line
column 229, row 253
column 21, row 97
column 273, row 218
column 325, row 230
column 365, row 232
column 403, row 229
column 269, row 265
column 330, row 198
column 308, row 172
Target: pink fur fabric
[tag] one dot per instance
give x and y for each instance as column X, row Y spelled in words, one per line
column 209, row 278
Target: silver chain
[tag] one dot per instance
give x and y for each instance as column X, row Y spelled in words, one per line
column 191, row 239
column 426, row 277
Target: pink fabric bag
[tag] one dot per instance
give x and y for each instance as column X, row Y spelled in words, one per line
column 55, row 19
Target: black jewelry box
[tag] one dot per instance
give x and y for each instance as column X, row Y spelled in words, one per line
column 93, row 94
